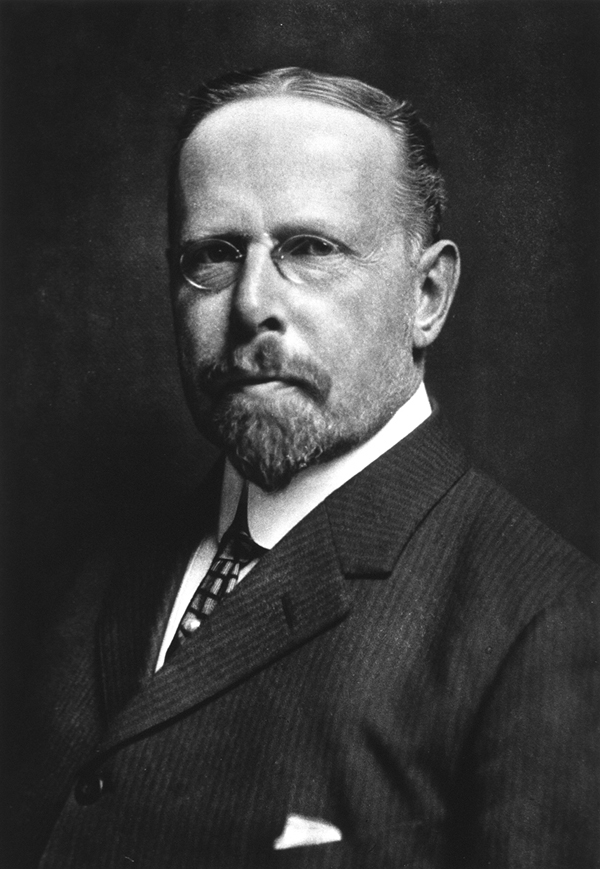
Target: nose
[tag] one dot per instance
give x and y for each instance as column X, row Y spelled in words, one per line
column 258, row 301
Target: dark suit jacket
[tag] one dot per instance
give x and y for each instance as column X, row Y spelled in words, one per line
column 412, row 663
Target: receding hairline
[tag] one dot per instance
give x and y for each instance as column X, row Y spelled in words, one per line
column 419, row 186
column 380, row 134
column 387, row 136
column 294, row 97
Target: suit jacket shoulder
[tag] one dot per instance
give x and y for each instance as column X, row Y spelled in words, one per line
column 413, row 663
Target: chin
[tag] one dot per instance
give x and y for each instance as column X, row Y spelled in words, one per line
column 269, row 442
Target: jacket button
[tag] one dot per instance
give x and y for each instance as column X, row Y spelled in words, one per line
column 89, row 788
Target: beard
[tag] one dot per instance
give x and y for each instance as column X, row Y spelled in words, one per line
column 269, row 447
column 270, row 439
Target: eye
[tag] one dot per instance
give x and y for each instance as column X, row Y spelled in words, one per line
column 211, row 252
column 211, row 264
column 311, row 246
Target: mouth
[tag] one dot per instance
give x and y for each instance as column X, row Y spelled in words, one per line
column 260, row 383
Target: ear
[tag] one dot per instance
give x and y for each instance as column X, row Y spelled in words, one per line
column 438, row 273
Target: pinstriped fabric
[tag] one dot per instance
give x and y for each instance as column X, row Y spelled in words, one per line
column 250, row 632
column 432, row 696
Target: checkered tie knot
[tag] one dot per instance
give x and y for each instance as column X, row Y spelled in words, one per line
column 236, row 550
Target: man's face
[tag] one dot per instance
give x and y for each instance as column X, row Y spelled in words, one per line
column 285, row 372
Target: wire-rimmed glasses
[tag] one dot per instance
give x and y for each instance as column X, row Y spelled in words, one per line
column 214, row 264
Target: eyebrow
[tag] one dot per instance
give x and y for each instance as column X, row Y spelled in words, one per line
column 279, row 233
column 305, row 227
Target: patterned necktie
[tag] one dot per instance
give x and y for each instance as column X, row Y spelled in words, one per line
column 236, row 550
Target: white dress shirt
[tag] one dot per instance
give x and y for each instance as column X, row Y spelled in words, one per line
column 272, row 514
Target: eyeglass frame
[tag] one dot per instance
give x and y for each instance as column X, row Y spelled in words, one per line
column 277, row 256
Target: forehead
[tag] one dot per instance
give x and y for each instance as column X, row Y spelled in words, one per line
column 285, row 151
column 264, row 119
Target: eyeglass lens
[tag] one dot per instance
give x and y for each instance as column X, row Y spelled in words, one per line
column 215, row 264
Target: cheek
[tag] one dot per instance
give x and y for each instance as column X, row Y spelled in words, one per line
column 200, row 324
column 366, row 327
column 369, row 355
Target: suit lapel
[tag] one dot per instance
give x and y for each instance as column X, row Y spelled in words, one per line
column 375, row 514
column 297, row 590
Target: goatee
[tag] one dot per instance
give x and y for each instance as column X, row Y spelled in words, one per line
column 271, row 437
column 269, row 448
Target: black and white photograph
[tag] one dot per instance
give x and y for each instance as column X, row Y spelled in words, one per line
column 300, row 330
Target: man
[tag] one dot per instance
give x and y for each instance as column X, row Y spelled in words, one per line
column 401, row 673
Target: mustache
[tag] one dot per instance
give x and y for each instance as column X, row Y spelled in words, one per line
column 262, row 362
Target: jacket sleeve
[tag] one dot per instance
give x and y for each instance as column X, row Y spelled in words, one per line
column 531, row 769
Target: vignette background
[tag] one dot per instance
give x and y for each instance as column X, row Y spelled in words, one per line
column 94, row 419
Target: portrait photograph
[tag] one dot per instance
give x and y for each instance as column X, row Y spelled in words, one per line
column 300, row 323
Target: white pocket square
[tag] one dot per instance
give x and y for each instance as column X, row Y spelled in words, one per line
column 300, row 830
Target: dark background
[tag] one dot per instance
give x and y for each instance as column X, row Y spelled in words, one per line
column 93, row 412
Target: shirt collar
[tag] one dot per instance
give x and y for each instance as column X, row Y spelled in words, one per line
column 272, row 514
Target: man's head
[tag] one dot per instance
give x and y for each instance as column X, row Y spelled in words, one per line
column 307, row 272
